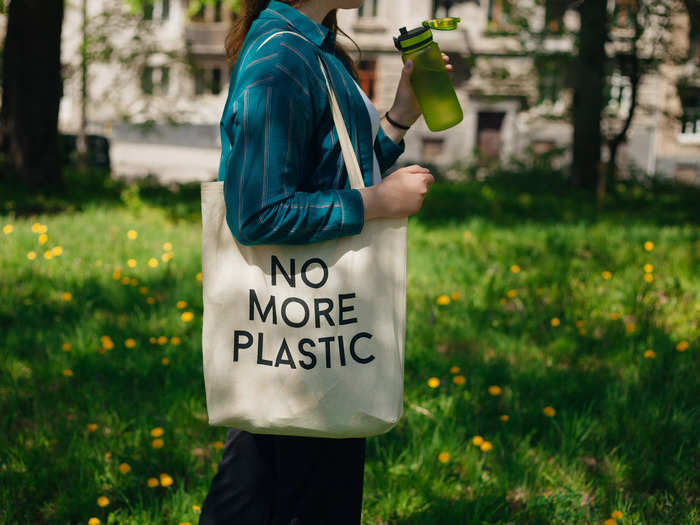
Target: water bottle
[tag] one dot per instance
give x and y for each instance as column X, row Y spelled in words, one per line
column 430, row 80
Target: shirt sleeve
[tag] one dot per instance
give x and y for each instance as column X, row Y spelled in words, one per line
column 271, row 138
column 387, row 150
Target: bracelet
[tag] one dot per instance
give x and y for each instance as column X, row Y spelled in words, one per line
column 393, row 123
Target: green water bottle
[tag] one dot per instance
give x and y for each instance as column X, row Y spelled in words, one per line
column 430, row 80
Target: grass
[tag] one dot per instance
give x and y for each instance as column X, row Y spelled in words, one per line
column 623, row 436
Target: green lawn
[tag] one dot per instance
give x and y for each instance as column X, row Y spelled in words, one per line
column 511, row 310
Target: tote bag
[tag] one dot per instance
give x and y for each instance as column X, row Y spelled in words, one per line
column 304, row 340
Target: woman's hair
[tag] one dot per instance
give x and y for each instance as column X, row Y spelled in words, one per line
column 249, row 11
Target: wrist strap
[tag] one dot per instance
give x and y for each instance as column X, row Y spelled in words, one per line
column 394, row 123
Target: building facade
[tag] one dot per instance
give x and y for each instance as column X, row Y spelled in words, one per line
column 512, row 64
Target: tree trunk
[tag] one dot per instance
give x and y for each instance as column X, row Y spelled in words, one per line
column 31, row 91
column 588, row 93
column 81, row 143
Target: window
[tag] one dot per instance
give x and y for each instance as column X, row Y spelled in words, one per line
column 488, row 132
column 156, row 9
column 148, row 10
column 147, row 80
column 165, row 10
column 620, row 93
column 554, row 16
column 213, row 12
column 199, row 15
column 624, row 13
column 155, row 80
column 207, row 80
column 217, row 11
column 551, row 78
column 368, row 8
column 432, row 148
column 367, row 73
column 690, row 120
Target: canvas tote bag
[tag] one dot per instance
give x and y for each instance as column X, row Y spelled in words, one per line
column 304, row 340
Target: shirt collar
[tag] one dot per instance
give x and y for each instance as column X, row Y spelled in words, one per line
column 317, row 33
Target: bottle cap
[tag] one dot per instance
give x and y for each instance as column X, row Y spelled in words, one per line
column 443, row 24
column 414, row 38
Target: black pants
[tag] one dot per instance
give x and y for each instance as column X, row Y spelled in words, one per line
column 286, row 480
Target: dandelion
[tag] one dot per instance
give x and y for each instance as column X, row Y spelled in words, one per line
column 648, row 246
column 152, row 340
column 504, row 300
column 579, row 324
column 108, row 454
column 196, row 508
column 181, row 304
column 477, row 440
column 614, row 316
column 168, row 246
column 616, row 514
column 162, row 340
column 31, row 255
column 650, row 354
column 66, row 296
column 36, row 227
column 124, row 468
column 7, row 229
column 157, row 443
column 456, row 296
column 444, row 457
column 131, row 263
column 495, row 390
column 682, row 346
column 48, row 254
column 93, row 521
column 68, row 372
column 648, row 268
column 132, row 234
column 504, row 417
column 433, row 382
column 165, row 361
column 218, row 445
column 152, row 482
column 166, row 480
column 43, row 238
column 143, row 290
column 459, row 380
column 152, row 262
column 184, row 523
column 610, row 521
column 187, row 316
column 117, row 274
column 66, row 347
column 512, row 294
column 107, row 342
column 199, row 276
column 125, row 280
column 443, row 300
column 102, row 501
column 582, row 331
column 92, row 427
column 57, row 250
column 606, row 275
column 167, row 256
column 130, row 343
column 630, row 327
column 157, row 432
column 515, row 268
column 454, row 369
column 549, row 411
column 555, row 321
column 175, row 340
column 150, row 300
column 648, row 277
column 486, row 446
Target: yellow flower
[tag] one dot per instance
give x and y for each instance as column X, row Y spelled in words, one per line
column 504, row 417
column 610, row 521
column 582, row 331
column 682, row 346
column 66, row 347
column 152, row 262
column 187, row 316
column 48, row 254
column 512, row 294
column 218, row 445
column 648, row 268
column 181, row 304
column 444, row 457
column 162, row 340
column 7, row 229
column 630, row 327
column 175, row 340
column 650, row 354
column 614, row 316
column 555, row 321
column 486, row 446
column 36, row 227
column 443, row 300
column 68, row 372
column 132, row 234
column 102, row 501
column 43, row 238
column 579, row 324
column 504, row 300
column 495, row 390
column 94, row 521
column 107, row 342
column 166, row 480
column 91, row 427
column 98, row 262
column 616, row 514
column 152, row 482
column 108, row 454
column 456, row 296
column 196, row 508
column 131, row 263
column 57, row 250
column 433, row 382
column 168, row 246
column 459, row 380
column 125, row 280
column 124, row 468
column 143, row 290
column 184, row 523
column 152, row 340
column 199, row 276
column 31, row 255
column 515, row 268
column 477, row 440
column 167, row 256
column 66, row 296
column 130, row 343
column 648, row 246
column 165, row 360
column 117, row 275
column 606, row 275
column 150, row 300
column 157, row 432
column 157, row 443
column 648, row 277
column 454, row 369
column 549, row 411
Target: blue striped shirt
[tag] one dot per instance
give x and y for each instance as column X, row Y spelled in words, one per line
column 285, row 180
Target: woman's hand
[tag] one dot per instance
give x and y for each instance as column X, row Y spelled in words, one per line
column 400, row 194
column 405, row 109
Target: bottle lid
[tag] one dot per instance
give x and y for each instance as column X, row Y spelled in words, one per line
column 443, row 24
column 414, row 38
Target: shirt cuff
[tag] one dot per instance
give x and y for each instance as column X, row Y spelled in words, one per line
column 390, row 150
column 353, row 207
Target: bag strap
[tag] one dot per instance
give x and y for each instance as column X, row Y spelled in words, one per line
column 351, row 164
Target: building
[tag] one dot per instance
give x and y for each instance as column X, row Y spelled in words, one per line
column 512, row 85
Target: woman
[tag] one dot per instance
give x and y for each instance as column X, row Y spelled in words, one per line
column 285, row 182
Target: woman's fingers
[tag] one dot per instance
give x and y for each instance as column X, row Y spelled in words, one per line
column 446, row 59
